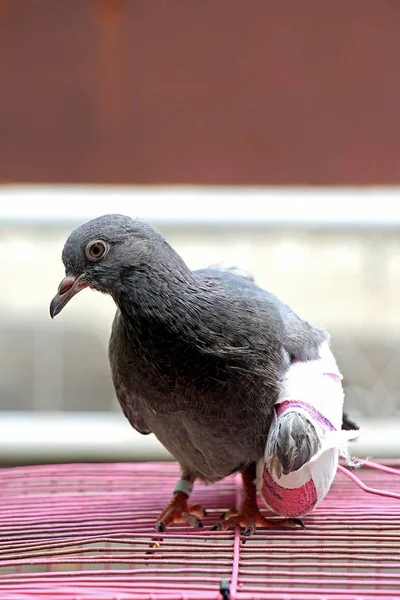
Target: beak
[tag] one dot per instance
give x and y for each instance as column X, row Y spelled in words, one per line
column 67, row 288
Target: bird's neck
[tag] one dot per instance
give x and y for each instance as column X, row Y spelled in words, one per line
column 160, row 299
column 173, row 322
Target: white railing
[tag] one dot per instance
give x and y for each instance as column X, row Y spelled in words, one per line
column 303, row 207
column 52, row 437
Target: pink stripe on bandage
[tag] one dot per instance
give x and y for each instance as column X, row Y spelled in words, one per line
column 313, row 412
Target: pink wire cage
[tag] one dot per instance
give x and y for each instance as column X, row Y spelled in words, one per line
column 86, row 531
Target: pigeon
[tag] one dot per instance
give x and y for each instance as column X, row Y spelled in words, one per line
column 197, row 358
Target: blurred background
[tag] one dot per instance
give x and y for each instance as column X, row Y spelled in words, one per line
column 261, row 133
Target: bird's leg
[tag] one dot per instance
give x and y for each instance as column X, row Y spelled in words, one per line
column 178, row 509
column 249, row 515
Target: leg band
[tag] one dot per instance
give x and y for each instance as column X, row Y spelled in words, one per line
column 185, row 486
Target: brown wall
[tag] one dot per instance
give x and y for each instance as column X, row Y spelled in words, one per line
column 200, row 91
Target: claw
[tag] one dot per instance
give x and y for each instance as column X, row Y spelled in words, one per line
column 178, row 511
column 298, row 522
column 191, row 519
column 250, row 519
column 249, row 515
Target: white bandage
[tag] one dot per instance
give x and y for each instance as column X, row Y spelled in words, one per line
column 313, row 389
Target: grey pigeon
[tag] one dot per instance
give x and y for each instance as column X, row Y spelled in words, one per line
column 196, row 357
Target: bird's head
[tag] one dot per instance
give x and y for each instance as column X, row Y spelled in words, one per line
column 97, row 253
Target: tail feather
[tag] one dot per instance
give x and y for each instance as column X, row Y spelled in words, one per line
column 292, row 444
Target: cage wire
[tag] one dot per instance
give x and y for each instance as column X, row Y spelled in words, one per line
column 86, row 531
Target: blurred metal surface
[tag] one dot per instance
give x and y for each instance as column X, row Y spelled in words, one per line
column 333, row 255
column 51, row 437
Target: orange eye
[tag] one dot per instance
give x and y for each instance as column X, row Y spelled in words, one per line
column 96, row 250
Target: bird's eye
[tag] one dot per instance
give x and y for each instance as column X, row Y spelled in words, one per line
column 96, row 250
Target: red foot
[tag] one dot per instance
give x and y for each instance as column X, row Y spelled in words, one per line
column 249, row 517
column 179, row 511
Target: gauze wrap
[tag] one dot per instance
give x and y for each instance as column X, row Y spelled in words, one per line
column 315, row 389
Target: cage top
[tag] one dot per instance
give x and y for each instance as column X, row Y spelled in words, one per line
column 87, row 531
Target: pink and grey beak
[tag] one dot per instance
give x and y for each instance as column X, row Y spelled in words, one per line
column 68, row 287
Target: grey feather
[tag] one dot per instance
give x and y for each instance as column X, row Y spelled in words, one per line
column 293, row 442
